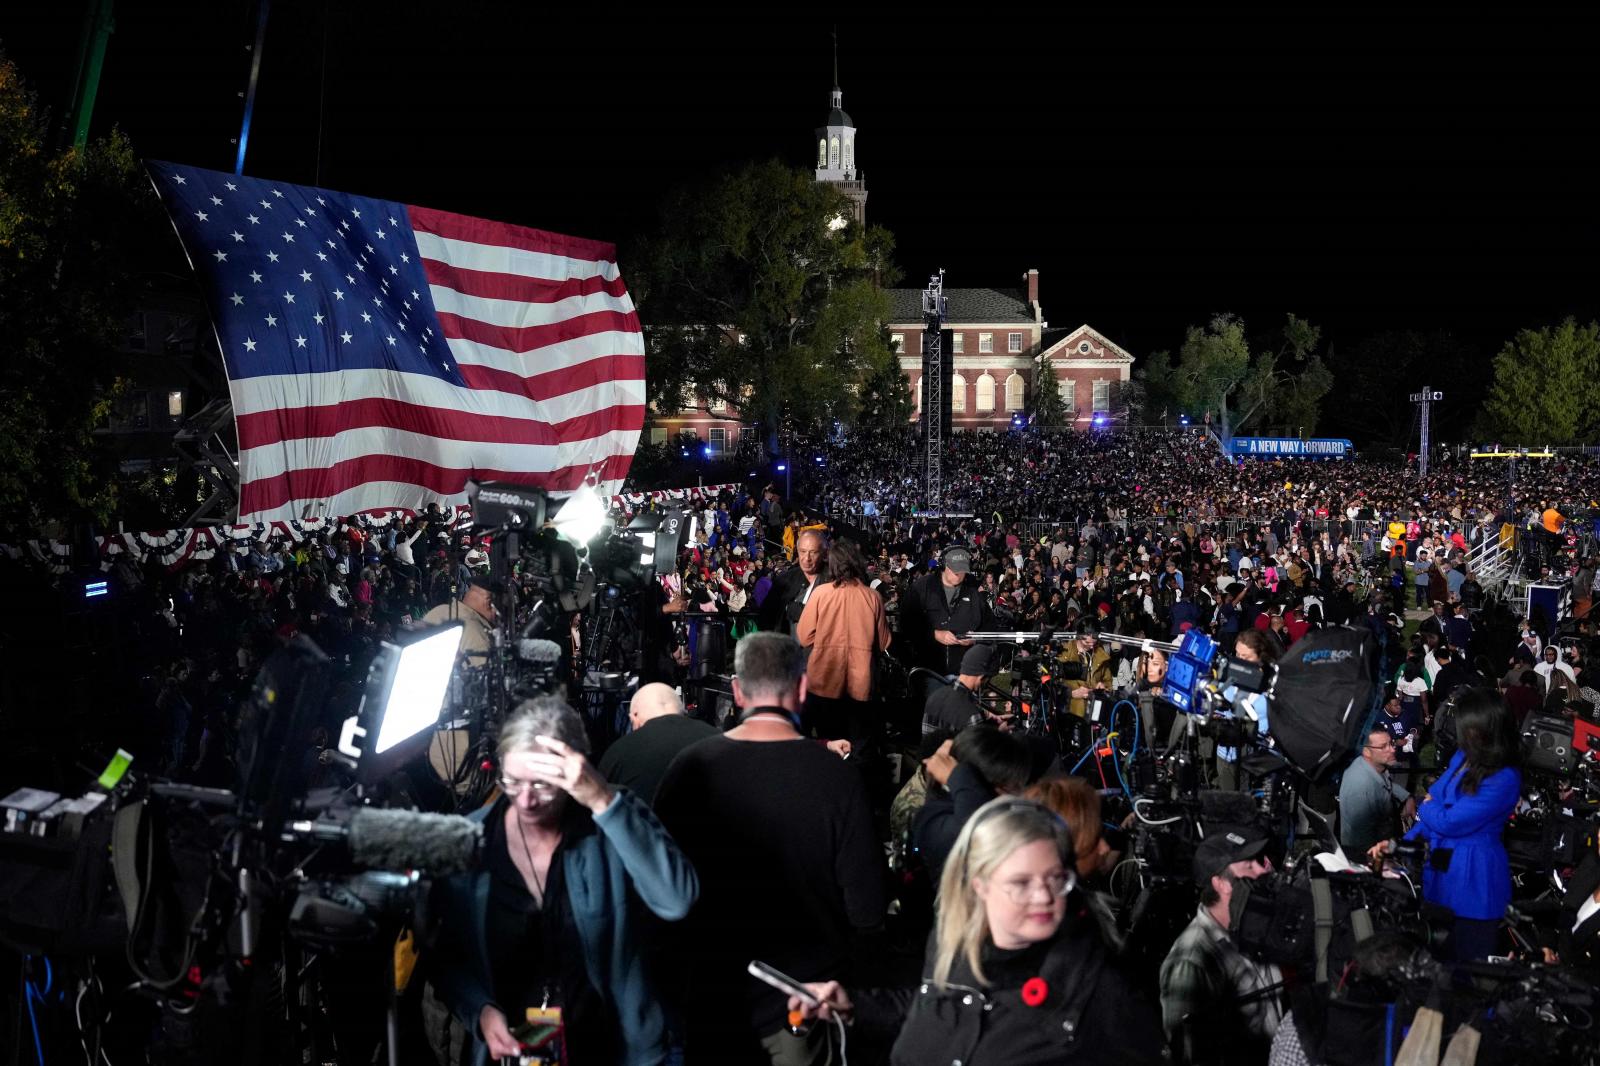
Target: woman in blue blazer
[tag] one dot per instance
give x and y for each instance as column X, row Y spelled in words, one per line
column 553, row 917
column 1462, row 819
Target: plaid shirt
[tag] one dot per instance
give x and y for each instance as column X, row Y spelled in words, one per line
column 1204, row 977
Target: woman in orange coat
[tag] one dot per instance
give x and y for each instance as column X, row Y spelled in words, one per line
column 845, row 628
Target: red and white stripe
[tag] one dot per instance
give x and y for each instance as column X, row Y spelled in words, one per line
column 549, row 344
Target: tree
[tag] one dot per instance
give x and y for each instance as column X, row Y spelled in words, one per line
column 886, row 394
column 1050, row 410
column 1546, row 384
column 759, row 291
column 1216, row 371
column 71, row 223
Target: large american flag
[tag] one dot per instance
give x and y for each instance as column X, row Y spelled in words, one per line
column 379, row 355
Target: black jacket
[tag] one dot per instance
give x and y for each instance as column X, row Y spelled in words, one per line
column 944, row 812
column 1580, row 948
column 1090, row 1012
column 924, row 610
column 781, row 609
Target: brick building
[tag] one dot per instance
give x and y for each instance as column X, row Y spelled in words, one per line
column 996, row 336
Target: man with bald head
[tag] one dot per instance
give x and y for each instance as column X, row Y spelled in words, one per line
column 659, row 730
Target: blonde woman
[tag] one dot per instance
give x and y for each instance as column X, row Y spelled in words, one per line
column 1016, row 972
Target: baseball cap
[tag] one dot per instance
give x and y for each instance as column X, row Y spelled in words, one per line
column 978, row 661
column 958, row 560
column 1225, row 846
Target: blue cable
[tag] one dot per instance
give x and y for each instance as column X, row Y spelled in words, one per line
column 29, row 994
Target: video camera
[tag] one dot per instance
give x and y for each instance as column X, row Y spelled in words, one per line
column 220, row 890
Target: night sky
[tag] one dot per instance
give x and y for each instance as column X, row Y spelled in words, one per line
column 1401, row 171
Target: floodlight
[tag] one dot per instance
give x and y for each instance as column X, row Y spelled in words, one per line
column 581, row 516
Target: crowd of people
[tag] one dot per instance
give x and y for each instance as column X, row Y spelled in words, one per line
column 629, row 881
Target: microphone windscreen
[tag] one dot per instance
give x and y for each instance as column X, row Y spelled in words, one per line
column 412, row 840
column 544, row 652
column 1226, row 808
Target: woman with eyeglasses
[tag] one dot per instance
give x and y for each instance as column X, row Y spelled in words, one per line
column 1016, row 971
column 551, row 918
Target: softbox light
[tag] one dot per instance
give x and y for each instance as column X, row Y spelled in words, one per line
column 405, row 690
column 1321, row 698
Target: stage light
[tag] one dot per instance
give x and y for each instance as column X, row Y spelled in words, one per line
column 706, row 450
column 782, row 468
column 96, row 588
column 1183, row 420
column 581, row 516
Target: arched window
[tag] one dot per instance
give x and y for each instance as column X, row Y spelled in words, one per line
column 849, row 151
column 822, row 152
column 958, row 395
column 985, row 393
column 1014, row 392
column 833, row 153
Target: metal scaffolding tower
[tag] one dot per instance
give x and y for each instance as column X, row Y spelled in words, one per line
column 1426, row 398
column 935, row 396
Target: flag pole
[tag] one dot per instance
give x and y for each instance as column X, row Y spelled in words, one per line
column 262, row 8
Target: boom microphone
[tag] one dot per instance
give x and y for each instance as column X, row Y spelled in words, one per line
column 380, row 839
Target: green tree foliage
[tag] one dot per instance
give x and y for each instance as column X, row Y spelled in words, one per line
column 1050, row 411
column 1216, row 371
column 886, row 397
column 1546, row 385
column 766, row 254
column 71, row 223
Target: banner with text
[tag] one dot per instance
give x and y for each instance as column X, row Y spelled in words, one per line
column 1292, row 447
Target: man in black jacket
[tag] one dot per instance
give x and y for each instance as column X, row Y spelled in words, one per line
column 792, row 588
column 941, row 606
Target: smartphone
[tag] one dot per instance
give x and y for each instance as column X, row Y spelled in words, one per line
column 782, row 982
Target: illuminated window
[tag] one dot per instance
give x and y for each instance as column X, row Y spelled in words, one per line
column 897, row 341
column 985, row 393
column 958, row 344
column 958, row 395
column 1069, row 394
column 1014, row 391
column 985, row 343
column 1102, row 396
column 1013, row 343
column 833, row 153
column 822, row 152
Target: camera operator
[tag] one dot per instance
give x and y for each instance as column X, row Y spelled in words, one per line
column 1094, row 664
column 551, row 919
column 1462, row 818
column 953, row 708
column 477, row 612
column 1259, row 647
column 1369, row 799
column 1217, row 1004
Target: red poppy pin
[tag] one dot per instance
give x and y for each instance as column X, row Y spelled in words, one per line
column 1034, row 991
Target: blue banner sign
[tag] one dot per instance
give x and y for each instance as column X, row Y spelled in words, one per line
column 1292, row 447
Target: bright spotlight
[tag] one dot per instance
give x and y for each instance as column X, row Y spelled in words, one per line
column 581, row 516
